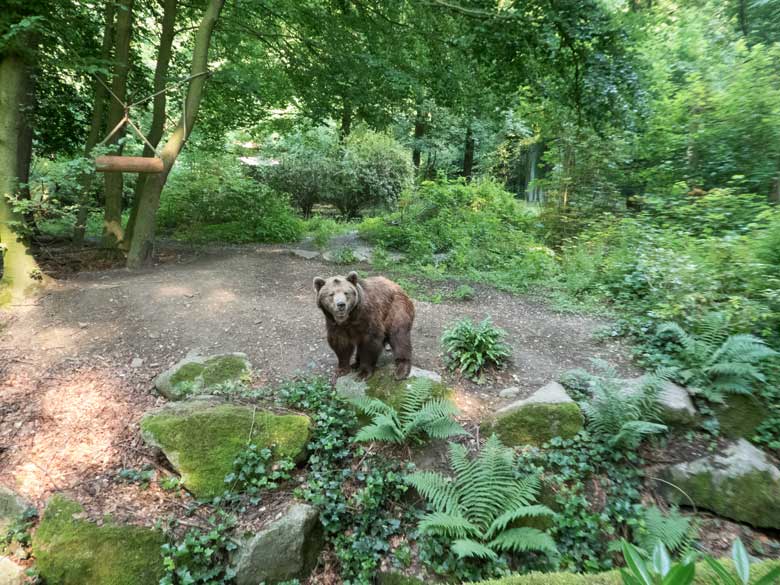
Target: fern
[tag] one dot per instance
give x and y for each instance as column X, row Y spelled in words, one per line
column 714, row 363
column 471, row 348
column 419, row 413
column 478, row 510
column 618, row 416
column 675, row 531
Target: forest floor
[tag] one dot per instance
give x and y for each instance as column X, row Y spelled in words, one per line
column 72, row 390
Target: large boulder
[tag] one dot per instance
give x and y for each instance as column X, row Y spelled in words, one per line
column 677, row 409
column 201, row 438
column 549, row 412
column 742, row 483
column 740, row 415
column 196, row 374
column 11, row 507
column 285, row 550
column 72, row 551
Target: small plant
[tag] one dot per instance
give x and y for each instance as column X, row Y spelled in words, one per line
column 478, row 509
column 255, row 469
column 619, row 415
column 675, row 531
column 714, row 363
column 170, row 483
column 202, row 555
column 464, row 293
column 471, row 348
column 660, row 570
column 345, row 256
column 419, row 413
column 140, row 476
column 18, row 530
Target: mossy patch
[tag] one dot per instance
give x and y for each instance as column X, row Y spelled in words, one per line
column 740, row 416
column 196, row 374
column 704, row 576
column 188, row 373
column 11, row 507
column 70, row 551
column 537, row 423
column 383, row 386
column 202, row 439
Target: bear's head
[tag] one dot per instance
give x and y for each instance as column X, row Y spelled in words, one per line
column 338, row 296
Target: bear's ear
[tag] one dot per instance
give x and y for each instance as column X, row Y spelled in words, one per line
column 352, row 277
column 319, row 282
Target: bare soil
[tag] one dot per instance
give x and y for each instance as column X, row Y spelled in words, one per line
column 70, row 402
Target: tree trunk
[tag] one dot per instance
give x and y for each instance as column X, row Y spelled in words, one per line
column 96, row 123
column 141, row 246
column 20, row 270
column 419, row 132
column 158, row 110
column 468, row 154
column 744, row 25
column 112, row 219
column 346, row 121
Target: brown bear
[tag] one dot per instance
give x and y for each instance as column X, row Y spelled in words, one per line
column 361, row 315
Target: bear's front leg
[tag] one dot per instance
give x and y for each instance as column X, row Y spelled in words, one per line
column 343, row 348
column 368, row 353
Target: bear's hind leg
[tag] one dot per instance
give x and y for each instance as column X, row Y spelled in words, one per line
column 401, row 342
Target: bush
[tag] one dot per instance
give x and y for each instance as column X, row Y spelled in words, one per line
column 471, row 348
column 477, row 229
column 374, row 169
column 214, row 200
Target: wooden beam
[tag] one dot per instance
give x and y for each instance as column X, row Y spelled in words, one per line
column 128, row 164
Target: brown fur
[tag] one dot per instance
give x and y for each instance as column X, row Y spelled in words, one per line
column 361, row 315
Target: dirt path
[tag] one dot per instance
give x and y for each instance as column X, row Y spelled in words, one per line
column 70, row 400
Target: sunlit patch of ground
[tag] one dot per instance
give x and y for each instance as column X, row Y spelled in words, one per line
column 78, row 427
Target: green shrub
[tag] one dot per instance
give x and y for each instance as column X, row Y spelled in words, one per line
column 214, row 200
column 374, row 169
column 478, row 510
column 471, row 348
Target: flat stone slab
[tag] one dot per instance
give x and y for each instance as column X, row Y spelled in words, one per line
column 201, row 439
column 383, row 386
column 549, row 412
column 305, row 254
column 197, row 374
column 742, row 483
column 285, row 550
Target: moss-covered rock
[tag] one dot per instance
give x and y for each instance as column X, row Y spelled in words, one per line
column 676, row 408
column 383, row 386
column 740, row 416
column 549, row 412
column 704, row 576
column 196, row 374
column 71, row 551
column 11, row 507
column 741, row 484
column 201, row 438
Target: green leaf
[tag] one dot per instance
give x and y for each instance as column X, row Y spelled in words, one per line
column 661, row 561
column 741, row 561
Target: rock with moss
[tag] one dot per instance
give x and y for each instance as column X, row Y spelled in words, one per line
column 73, row 551
column 549, row 412
column 202, row 437
column 675, row 404
column 11, row 507
column 742, row 484
column 383, row 386
column 740, row 416
column 196, row 374
column 285, row 550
